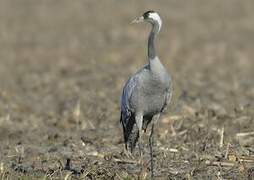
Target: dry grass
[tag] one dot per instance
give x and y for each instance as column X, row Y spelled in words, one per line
column 62, row 67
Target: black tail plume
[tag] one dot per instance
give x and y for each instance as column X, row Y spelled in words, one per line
column 130, row 132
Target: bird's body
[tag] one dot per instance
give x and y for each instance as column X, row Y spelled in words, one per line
column 147, row 92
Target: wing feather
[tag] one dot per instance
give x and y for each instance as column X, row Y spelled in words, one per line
column 126, row 112
column 167, row 98
column 127, row 119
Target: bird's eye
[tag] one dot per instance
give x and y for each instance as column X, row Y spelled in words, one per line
column 146, row 15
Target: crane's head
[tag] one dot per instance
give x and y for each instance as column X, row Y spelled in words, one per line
column 151, row 17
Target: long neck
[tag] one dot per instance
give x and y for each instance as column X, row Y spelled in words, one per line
column 151, row 39
column 151, row 47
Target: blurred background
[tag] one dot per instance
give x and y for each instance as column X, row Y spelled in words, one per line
column 63, row 65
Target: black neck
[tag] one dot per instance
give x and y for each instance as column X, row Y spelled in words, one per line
column 151, row 39
column 151, row 47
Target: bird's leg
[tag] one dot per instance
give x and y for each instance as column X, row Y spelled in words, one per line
column 155, row 119
column 141, row 160
column 140, row 143
column 139, row 121
column 151, row 150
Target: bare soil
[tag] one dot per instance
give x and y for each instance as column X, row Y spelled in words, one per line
column 62, row 68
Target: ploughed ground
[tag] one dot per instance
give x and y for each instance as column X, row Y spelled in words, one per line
column 62, row 68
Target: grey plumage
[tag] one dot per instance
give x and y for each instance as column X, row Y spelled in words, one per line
column 147, row 92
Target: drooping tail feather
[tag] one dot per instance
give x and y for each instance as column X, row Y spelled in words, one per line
column 130, row 132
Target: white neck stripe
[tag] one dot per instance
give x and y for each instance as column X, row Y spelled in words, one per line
column 156, row 18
